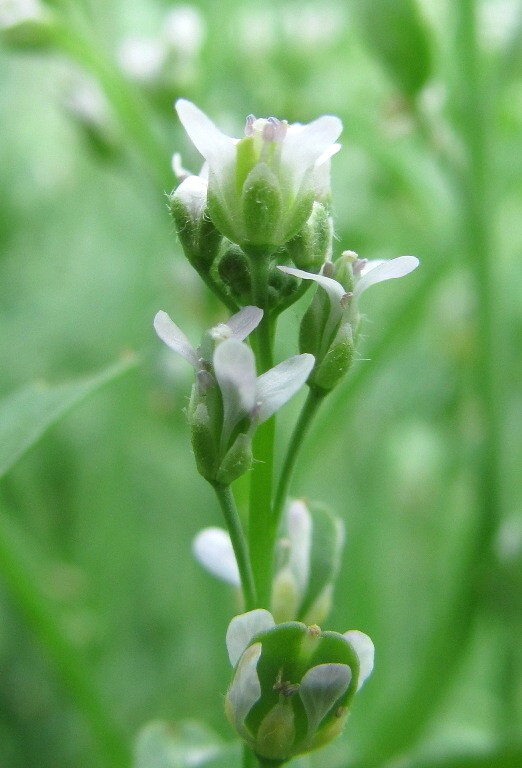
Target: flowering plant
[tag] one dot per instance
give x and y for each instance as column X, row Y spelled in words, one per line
column 256, row 225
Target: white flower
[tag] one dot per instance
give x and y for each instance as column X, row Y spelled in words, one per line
column 261, row 187
column 288, row 668
column 259, row 397
column 366, row 274
column 237, row 327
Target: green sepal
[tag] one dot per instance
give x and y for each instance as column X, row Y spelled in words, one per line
column 337, row 361
column 234, row 271
column 300, row 209
column 313, row 324
column 262, row 206
column 312, row 245
column 203, row 440
column 343, row 270
column 238, row 460
column 198, row 236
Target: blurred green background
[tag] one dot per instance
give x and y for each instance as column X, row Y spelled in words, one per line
column 106, row 621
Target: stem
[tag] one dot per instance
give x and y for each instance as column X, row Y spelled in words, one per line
column 310, row 407
column 260, row 530
column 237, row 537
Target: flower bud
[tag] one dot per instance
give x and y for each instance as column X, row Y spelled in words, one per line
column 292, row 685
column 237, row 460
column 234, row 271
column 198, row 235
column 337, row 361
column 312, row 245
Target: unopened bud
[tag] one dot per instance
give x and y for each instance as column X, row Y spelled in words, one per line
column 312, row 245
column 238, row 460
column 198, row 235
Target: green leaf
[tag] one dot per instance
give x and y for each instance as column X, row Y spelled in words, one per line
column 396, row 34
column 28, row 413
column 187, row 744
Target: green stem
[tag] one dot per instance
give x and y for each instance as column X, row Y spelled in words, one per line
column 311, row 405
column 237, row 537
column 22, row 582
column 260, row 530
column 130, row 109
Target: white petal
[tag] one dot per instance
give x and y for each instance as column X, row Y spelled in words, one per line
column 242, row 629
column 334, row 289
column 246, row 688
column 217, row 148
column 365, row 650
column 212, row 548
column 301, row 148
column 320, row 688
column 175, row 338
column 277, row 385
column 300, row 535
column 384, row 270
column 192, row 194
column 234, row 366
column 244, row 322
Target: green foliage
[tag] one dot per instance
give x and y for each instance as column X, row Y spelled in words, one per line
column 106, row 623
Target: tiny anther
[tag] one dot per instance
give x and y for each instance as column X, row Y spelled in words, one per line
column 249, row 125
column 339, row 712
column 314, row 630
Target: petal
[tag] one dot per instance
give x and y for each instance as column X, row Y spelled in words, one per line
column 217, row 148
column 244, row 322
column 365, row 650
column 192, row 194
column 243, row 628
column 300, row 535
column 212, row 548
column 277, row 385
column 384, row 270
column 246, row 688
column 334, row 289
column 235, row 370
column 301, row 148
column 175, row 338
column 320, row 688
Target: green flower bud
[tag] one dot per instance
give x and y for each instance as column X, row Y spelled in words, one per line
column 234, row 271
column 203, row 440
column 292, row 685
column 197, row 234
column 237, row 461
column 312, row 246
column 337, row 361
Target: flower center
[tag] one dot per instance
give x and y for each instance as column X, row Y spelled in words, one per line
column 262, row 144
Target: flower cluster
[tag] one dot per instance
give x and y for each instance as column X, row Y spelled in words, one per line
column 293, row 684
column 228, row 400
column 256, row 224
